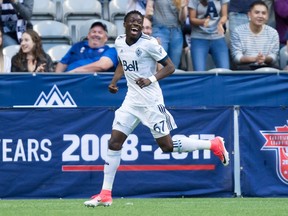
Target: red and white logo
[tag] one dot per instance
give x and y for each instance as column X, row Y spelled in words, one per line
column 278, row 141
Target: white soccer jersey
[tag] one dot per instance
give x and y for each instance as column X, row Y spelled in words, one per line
column 140, row 60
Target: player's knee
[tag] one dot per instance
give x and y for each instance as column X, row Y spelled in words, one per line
column 166, row 148
column 114, row 145
column 165, row 143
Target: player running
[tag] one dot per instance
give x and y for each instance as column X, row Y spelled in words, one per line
column 138, row 54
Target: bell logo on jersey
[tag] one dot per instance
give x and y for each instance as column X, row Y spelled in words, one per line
column 278, row 141
column 133, row 66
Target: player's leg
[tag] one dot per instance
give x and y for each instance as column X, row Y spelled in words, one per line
column 112, row 162
column 124, row 123
column 186, row 144
column 161, row 132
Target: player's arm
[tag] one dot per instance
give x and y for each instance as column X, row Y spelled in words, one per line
column 167, row 69
column 117, row 76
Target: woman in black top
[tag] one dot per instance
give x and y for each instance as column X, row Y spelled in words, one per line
column 31, row 56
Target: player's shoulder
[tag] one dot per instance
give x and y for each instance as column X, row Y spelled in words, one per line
column 145, row 36
column 120, row 38
column 148, row 39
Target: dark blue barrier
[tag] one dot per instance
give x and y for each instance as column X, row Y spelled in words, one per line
column 263, row 146
column 180, row 90
column 60, row 152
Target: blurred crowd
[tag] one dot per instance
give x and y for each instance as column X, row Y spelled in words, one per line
column 198, row 35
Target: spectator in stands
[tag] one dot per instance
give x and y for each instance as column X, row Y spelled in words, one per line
column 147, row 29
column 255, row 44
column 147, row 26
column 207, row 19
column 238, row 13
column 5, row 61
column 281, row 17
column 15, row 19
column 271, row 18
column 91, row 55
column 139, row 5
column 167, row 22
column 31, row 56
column 186, row 63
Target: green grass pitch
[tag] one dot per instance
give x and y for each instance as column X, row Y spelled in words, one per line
column 148, row 207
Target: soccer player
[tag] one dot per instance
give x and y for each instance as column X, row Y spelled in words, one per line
column 138, row 56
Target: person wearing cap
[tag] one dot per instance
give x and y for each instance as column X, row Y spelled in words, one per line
column 91, row 55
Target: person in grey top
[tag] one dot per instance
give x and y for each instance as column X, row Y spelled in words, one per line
column 15, row 19
column 207, row 36
column 167, row 19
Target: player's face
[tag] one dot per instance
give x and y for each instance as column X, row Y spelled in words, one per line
column 133, row 26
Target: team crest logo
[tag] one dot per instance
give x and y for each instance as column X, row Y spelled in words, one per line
column 278, row 141
column 138, row 52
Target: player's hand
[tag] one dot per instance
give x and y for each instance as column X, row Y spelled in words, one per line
column 113, row 89
column 142, row 82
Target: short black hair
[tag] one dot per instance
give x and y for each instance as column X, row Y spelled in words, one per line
column 258, row 2
column 133, row 12
column 98, row 23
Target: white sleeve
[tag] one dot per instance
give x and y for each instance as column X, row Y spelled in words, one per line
column 156, row 50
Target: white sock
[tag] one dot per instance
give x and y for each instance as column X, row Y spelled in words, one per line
column 112, row 163
column 186, row 144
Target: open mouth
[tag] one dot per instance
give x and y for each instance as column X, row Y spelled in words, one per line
column 134, row 30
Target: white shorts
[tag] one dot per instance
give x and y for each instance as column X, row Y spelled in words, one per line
column 157, row 118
